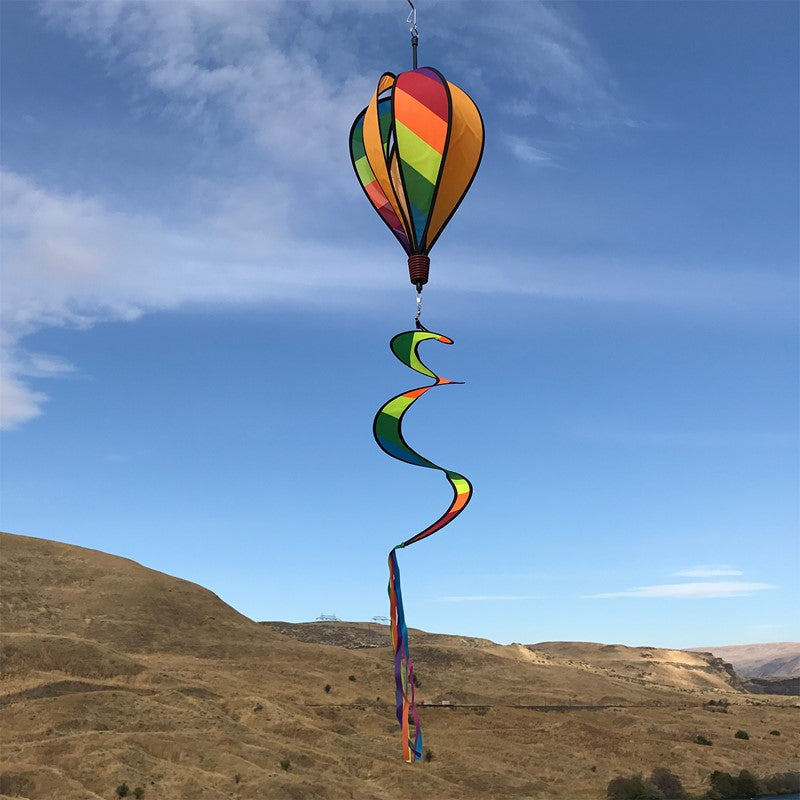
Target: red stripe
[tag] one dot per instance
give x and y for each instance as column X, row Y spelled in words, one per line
column 431, row 93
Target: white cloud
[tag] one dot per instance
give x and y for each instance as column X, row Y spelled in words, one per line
column 721, row 571
column 528, row 153
column 483, row 598
column 705, row 589
column 68, row 260
column 18, row 402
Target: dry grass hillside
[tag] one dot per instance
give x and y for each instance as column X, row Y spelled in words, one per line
column 113, row 672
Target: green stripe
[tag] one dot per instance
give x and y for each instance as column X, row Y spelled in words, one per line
column 420, row 190
column 404, row 345
column 460, row 483
column 365, row 173
column 385, row 124
column 416, row 151
column 357, row 143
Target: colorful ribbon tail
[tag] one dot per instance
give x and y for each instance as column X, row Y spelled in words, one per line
column 407, row 714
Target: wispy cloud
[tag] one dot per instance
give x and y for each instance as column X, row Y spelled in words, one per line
column 745, row 292
column 556, row 74
column 711, row 571
column 234, row 63
column 525, row 151
column 70, row 260
column 704, row 589
column 485, row 598
column 18, row 401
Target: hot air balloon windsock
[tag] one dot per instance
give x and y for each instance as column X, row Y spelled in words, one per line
column 415, row 149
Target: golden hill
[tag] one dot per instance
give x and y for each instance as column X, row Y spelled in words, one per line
column 114, row 672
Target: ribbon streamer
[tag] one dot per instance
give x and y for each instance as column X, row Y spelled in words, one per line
column 387, row 429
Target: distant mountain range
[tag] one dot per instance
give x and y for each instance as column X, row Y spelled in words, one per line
column 770, row 660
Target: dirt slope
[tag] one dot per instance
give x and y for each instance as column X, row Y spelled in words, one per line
column 114, row 672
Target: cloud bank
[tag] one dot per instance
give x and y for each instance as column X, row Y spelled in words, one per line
column 266, row 73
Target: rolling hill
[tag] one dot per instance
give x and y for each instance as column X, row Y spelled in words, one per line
column 114, row 672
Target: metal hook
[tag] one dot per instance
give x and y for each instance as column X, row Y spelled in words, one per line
column 419, row 308
column 412, row 21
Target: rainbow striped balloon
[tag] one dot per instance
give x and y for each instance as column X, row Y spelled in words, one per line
column 416, row 149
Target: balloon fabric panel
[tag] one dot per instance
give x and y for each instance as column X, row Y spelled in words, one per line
column 421, row 108
column 368, row 182
column 376, row 153
column 464, row 152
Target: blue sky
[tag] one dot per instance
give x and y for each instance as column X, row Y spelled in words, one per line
column 197, row 304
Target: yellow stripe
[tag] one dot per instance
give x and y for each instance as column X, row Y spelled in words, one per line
column 417, row 153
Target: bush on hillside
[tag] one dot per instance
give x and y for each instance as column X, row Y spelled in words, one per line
column 724, row 785
column 669, row 783
column 634, row 788
column 783, row 783
column 740, row 734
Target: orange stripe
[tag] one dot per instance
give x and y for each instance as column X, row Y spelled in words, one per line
column 430, row 127
column 459, row 502
column 415, row 393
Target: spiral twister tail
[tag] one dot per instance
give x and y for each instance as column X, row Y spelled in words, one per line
column 387, row 429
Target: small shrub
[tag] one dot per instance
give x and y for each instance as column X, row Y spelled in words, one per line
column 327, row 688
column 352, row 678
column 285, row 764
column 237, row 778
column 429, row 755
column 723, row 784
column 747, row 785
column 740, row 734
column 783, row 783
column 774, row 733
column 415, row 680
column 669, row 783
column 138, row 793
column 634, row 788
column 700, row 739
column 123, row 790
